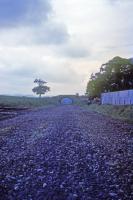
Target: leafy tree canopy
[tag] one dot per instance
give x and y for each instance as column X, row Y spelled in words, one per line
column 115, row 75
column 41, row 88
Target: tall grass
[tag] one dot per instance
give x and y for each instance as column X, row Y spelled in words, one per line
column 27, row 101
column 34, row 101
column 119, row 112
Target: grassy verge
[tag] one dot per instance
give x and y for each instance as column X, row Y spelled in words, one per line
column 29, row 102
column 118, row 112
column 32, row 102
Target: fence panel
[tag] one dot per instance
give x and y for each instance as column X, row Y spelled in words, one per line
column 118, row 98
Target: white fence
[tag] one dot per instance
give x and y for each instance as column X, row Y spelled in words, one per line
column 118, row 98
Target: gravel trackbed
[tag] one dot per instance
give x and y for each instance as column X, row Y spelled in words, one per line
column 65, row 153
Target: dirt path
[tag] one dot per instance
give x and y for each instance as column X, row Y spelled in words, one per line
column 65, row 153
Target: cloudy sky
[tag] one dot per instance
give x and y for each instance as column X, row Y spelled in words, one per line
column 60, row 41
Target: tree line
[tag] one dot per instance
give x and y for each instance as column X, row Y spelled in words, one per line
column 115, row 75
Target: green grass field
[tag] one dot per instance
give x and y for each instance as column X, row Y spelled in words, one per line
column 119, row 112
column 30, row 102
column 27, row 101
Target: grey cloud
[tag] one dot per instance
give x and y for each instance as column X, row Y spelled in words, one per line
column 60, row 73
column 28, row 23
column 17, row 12
column 68, row 77
column 75, row 51
column 51, row 33
column 57, row 72
column 118, row 46
column 23, row 71
column 115, row 2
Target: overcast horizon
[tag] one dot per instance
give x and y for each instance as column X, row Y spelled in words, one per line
column 61, row 42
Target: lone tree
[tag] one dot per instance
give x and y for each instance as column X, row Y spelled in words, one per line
column 40, row 88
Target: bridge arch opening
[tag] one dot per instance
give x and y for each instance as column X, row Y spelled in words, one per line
column 66, row 101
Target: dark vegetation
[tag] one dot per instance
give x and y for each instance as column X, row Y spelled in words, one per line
column 29, row 102
column 32, row 102
column 121, row 112
column 41, row 87
column 11, row 106
column 115, row 75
